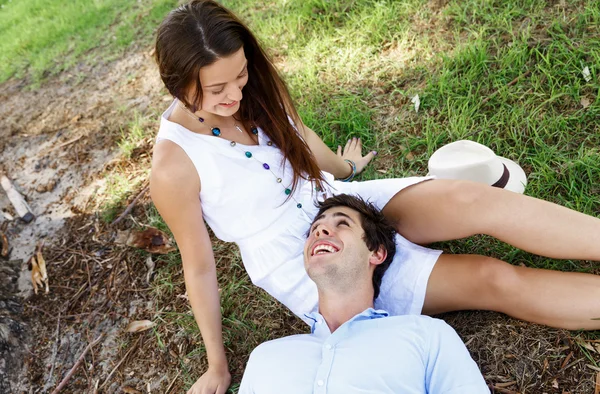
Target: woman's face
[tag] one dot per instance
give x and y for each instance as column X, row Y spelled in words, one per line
column 222, row 84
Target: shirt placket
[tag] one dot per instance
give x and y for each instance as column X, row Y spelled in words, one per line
column 327, row 358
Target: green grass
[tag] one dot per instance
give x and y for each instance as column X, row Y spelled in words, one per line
column 117, row 186
column 121, row 182
column 352, row 67
column 39, row 38
column 134, row 134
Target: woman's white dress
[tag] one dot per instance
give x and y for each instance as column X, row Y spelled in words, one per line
column 244, row 202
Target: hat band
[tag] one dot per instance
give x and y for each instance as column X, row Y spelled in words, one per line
column 503, row 181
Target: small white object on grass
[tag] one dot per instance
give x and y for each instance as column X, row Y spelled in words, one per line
column 139, row 325
column 7, row 216
column 585, row 102
column 416, row 101
column 586, row 74
column 150, row 266
column 23, row 209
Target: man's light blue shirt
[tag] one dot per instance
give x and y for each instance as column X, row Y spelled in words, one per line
column 371, row 353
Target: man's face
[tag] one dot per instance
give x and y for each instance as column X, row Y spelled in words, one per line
column 335, row 249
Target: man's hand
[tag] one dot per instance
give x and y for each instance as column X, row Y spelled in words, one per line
column 214, row 381
column 353, row 151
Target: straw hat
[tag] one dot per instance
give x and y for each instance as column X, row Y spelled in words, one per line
column 471, row 161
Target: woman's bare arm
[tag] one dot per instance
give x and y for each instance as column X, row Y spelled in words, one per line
column 331, row 162
column 175, row 188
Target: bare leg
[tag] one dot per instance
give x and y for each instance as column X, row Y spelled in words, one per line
column 558, row 299
column 441, row 210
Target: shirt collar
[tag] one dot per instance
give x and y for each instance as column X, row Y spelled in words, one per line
column 320, row 328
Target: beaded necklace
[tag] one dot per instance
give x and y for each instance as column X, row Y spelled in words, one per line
column 217, row 133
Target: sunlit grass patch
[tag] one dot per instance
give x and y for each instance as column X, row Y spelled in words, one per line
column 116, row 188
column 137, row 133
column 42, row 38
column 337, row 117
column 506, row 74
column 129, row 172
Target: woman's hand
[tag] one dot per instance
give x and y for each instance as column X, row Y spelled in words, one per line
column 334, row 164
column 214, row 381
column 353, row 151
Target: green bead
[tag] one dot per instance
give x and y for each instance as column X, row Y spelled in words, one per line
column 248, row 154
column 288, row 191
column 299, row 205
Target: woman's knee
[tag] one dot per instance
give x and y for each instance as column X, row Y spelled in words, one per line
column 499, row 283
column 460, row 282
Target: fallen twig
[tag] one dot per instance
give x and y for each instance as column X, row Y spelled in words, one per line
column 51, row 316
column 95, row 390
column 69, row 142
column 504, row 385
column 502, row 390
column 54, row 353
column 566, row 361
column 119, row 364
column 172, row 382
column 91, row 369
column 72, row 371
column 23, row 209
column 485, row 100
column 130, row 206
column 595, row 368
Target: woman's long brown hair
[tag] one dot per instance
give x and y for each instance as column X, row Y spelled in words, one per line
column 196, row 35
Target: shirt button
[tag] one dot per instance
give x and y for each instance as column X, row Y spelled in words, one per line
column 328, row 347
column 320, row 383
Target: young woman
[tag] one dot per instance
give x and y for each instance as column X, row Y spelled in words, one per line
column 232, row 151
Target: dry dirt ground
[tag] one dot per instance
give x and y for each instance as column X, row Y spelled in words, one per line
column 57, row 144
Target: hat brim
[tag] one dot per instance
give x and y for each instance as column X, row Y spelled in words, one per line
column 517, row 180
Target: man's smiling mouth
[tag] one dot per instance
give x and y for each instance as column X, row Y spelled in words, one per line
column 323, row 248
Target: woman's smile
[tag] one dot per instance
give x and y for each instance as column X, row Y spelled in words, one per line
column 229, row 105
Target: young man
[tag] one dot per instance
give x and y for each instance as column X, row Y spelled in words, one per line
column 353, row 348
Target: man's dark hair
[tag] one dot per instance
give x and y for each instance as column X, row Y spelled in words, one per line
column 378, row 231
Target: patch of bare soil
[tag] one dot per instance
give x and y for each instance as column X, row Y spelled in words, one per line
column 55, row 142
column 519, row 357
column 57, row 153
column 104, row 287
column 13, row 332
column 100, row 288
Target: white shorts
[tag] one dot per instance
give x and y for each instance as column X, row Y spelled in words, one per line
column 275, row 261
